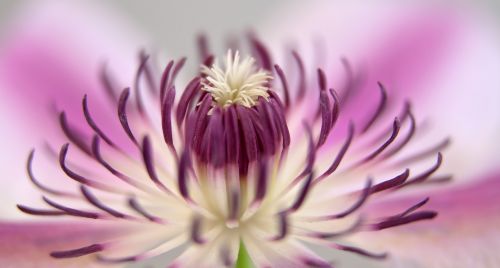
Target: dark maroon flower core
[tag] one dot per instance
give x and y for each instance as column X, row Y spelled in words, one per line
column 237, row 134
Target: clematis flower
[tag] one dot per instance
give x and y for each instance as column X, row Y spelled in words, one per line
column 250, row 157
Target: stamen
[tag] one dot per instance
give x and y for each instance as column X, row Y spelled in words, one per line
column 360, row 251
column 249, row 136
column 151, row 82
column 203, row 48
column 177, row 68
column 393, row 222
column 406, row 139
column 40, row 212
column 73, row 135
column 107, row 83
column 262, row 52
column 92, row 123
column 165, row 80
column 78, row 252
column 414, row 207
column 183, row 176
column 396, row 181
column 426, row 174
column 31, row 175
column 302, row 194
column 196, row 230
column 72, row 211
column 380, row 108
column 283, row 226
column 395, row 130
column 79, row 178
column 316, row 263
column 96, row 151
column 284, row 83
column 166, row 122
column 137, row 88
column 122, row 114
column 340, row 155
column 187, row 97
column 321, row 80
column 302, row 76
column 91, row 198
column 351, row 229
column 261, row 187
column 361, row 200
column 134, row 204
column 147, row 156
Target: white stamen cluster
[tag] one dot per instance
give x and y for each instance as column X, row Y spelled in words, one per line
column 240, row 82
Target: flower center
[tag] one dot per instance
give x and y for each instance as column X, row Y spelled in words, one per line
column 239, row 82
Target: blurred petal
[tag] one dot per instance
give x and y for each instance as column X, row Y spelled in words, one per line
column 464, row 234
column 428, row 54
column 30, row 244
column 50, row 57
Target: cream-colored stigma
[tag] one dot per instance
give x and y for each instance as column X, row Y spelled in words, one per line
column 240, row 82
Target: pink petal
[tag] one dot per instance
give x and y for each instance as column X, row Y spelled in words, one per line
column 30, row 244
column 49, row 58
column 443, row 58
column 464, row 234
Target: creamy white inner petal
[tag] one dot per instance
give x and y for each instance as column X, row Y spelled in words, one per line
column 238, row 82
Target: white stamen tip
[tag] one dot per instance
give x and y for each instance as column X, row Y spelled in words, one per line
column 240, row 82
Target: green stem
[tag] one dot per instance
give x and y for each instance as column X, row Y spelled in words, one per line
column 243, row 260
